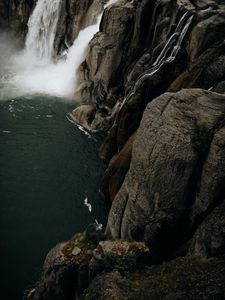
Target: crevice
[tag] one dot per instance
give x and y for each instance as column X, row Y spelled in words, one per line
column 201, row 218
column 122, row 215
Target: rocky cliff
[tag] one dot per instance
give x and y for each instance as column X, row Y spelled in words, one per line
column 74, row 16
column 14, row 14
column 172, row 197
column 176, row 177
column 144, row 31
column 153, row 81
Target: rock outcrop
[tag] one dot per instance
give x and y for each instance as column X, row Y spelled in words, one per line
column 165, row 143
column 74, row 16
column 176, row 177
column 70, row 267
column 111, row 68
column 181, row 279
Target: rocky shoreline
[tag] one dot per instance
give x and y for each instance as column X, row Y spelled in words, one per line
column 165, row 148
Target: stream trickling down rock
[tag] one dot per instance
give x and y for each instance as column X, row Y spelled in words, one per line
column 49, row 168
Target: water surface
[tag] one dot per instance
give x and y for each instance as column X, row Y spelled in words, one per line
column 47, row 169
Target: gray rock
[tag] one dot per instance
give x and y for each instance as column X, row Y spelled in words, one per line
column 76, row 251
column 209, row 239
column 14, row 15
column 184, row 278
column 122, row 249
column 176, row 170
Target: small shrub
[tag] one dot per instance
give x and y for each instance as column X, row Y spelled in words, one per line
column 121, row 264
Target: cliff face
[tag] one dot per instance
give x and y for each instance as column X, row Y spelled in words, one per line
column 173, row 195
column 142, row 29
column 154, row 80
column 14, row 15
column 74, row 16
column 176, row 177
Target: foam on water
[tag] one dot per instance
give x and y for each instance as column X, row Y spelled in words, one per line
column 32, row 71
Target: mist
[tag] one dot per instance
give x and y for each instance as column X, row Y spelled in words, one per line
column 24, row 72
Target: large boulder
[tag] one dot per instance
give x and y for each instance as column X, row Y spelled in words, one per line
column 176, row 176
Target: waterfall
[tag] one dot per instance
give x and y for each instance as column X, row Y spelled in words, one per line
column 60, row 79
column 167, row 55
column 110, row 2
column 42, row 27
column 33, row 70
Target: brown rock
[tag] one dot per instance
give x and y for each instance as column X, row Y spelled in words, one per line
column 64, row 275
column 14, row 15
column 83, row 115
column 209, row 239
column 168, row 186
column 184, row 278
column 116, row 171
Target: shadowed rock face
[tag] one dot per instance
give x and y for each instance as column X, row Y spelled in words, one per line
column 14, row 15
column 181, row 279
column 131, row 38
column 209, row 239
column 74, row 16
column 172, row 197
column 176, row 177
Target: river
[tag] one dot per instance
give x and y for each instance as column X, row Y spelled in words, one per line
column 47, row 169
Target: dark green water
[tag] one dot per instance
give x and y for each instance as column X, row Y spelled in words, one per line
column 47, row 168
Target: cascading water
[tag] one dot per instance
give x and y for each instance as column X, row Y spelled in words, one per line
column 110, row 2
column 42, row 27
column 33, row 71
column 47, row 167
column 60, row 79
column 167, row 55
